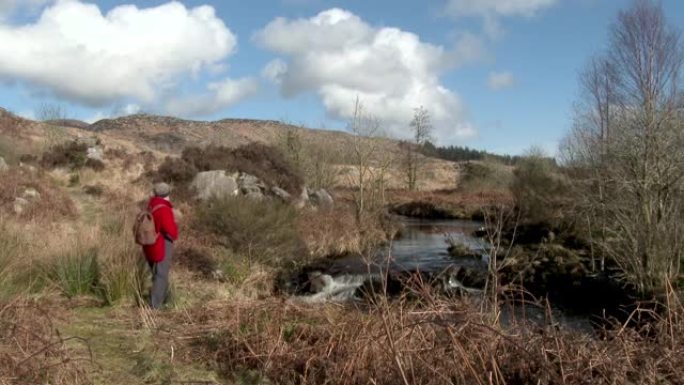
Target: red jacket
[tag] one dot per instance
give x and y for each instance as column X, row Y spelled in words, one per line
column 166, row 226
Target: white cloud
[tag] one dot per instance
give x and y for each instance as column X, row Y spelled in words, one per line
column 275, row 70
column 525, row 8
column 218, row 96
column 339, row 56
column 500, row 80
column 78, row 53
column 492, row 10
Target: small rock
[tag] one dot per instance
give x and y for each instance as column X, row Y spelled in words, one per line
column 28, row 167
column 31, row 194
column 95, row 153
column 303, row 199
column 218, row 275
column 3, row 165
column 321, row 198
column 319, row 281
column 19, row 205
column 280, row 193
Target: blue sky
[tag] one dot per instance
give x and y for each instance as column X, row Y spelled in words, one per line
column 499, row 75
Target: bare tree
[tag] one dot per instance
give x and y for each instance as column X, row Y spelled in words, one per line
column 50, row 111
column 628, row 144
column 421, row 128
column 370, row 166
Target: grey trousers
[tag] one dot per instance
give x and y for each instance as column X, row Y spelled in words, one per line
column 160, row 277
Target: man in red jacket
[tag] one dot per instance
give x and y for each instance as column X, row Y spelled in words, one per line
column 159, row 254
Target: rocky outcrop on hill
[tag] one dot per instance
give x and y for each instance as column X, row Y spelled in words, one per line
column 215, row 184
column 221, row 184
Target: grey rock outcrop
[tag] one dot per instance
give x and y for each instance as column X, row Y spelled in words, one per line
column 249, row 184
column 95, row 153
column 20, row 205
column 321, row 198
column 255, row 195
column 302, row 200
column 280, row 193
column 215, row 183
column 31, row 194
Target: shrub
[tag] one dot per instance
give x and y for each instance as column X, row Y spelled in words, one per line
column 208, row 158
column 269, row 164
column 95, row 164
column 540, row 190
column 72, row 155
column 95, row 190
column 484, row 176
column 262, row 231
column 28, row 159
column 175, row 170
column 197, row 261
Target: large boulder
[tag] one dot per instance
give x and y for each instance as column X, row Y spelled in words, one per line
column 3, row 165
column 321, row 198
column 215, row 183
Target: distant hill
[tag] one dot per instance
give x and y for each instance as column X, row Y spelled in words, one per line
column 163, row 135
column 68, row 123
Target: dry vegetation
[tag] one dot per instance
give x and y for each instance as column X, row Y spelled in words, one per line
column 73, row 284
column 427, row 340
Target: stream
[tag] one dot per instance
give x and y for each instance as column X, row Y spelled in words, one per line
column 420, row 249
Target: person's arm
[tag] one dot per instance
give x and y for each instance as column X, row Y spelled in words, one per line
column 168, row 224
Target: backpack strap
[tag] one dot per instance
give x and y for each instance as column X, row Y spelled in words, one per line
column 157, row 207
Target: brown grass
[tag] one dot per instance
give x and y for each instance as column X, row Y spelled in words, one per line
column 32, row 351
column 426, row 341
column 334, row 232
column 54, row 203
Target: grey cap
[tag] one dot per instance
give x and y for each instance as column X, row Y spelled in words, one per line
column 162, row 190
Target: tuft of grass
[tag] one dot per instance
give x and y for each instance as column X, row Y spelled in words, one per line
column 19, row 275
column 76, row 273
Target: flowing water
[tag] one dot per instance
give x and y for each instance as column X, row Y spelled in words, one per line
column 422, row 248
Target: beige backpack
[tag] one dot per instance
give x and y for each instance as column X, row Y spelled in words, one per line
column 144, row 230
